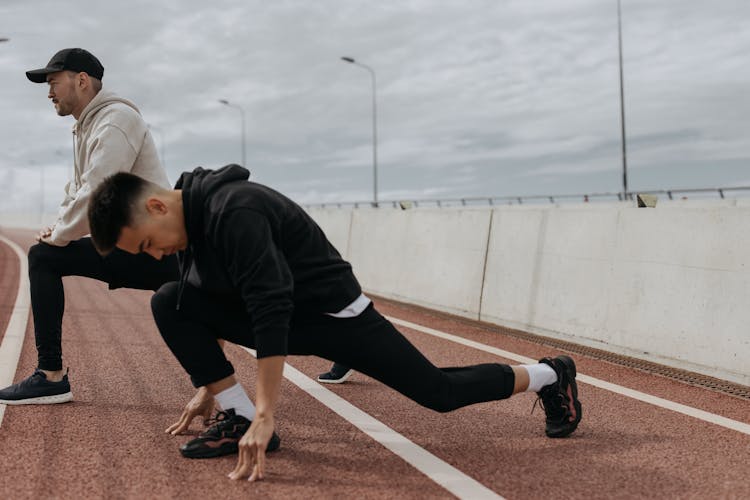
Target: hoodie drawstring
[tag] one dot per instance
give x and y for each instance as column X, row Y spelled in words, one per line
column 185, row 266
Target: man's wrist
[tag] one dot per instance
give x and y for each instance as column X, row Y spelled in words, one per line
column 261, row 412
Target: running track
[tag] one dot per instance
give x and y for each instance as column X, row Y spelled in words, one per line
column 110, row 442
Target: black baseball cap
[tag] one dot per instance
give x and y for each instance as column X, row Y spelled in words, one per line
column 78, row 60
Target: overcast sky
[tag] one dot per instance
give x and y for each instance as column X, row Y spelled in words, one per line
column 475, row 98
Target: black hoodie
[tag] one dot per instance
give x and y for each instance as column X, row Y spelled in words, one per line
column 247, row 240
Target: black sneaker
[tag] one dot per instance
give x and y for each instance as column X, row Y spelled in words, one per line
column 560, row 400
column 222, row 437
column 37, row 390
column 338, row 374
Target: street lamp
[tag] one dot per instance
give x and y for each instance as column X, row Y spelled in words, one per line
column 374, row 130
column 242, row 114
column 4, row 40
column 622, row 109
column 161, row 143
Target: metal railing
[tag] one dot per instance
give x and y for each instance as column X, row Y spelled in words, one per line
column 520, row 200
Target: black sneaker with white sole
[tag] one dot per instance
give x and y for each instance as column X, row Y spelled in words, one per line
column 222, row 437
column 37, row 390
column 338, row 374
column 560, row 400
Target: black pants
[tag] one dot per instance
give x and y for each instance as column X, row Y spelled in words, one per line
column 47, row 266
column 368, row 343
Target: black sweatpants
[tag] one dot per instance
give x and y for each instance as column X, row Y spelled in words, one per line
column 367, row 343
column 47, row 266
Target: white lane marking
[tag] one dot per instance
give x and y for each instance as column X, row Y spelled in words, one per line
column 10, row 349
column 434, row 468
column 624, row 391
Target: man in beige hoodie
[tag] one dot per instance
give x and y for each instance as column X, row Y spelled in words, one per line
column 110, row 136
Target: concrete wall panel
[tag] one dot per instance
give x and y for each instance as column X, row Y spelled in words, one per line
column 430, row 257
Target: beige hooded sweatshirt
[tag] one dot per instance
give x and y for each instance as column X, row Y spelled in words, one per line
column 110, row 137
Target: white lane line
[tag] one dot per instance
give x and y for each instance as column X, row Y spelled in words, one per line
column 434, row 468
column 10, row 349
column 624, row 391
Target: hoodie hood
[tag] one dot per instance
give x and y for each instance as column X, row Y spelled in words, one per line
column 196, row 186
column 101, row 99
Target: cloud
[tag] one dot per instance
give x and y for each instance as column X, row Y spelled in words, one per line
column 486, row 98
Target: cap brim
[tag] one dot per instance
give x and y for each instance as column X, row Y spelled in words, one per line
column 40, row 75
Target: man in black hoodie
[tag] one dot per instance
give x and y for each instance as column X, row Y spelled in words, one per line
column 257, row 271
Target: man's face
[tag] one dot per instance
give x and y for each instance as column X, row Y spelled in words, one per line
column 62, row 92
column 158, row 232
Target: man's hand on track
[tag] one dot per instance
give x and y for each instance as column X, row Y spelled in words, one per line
column 202, row 405
column 252, row 450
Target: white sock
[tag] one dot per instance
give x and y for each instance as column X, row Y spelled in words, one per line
column 540, row 375
column 236, row 398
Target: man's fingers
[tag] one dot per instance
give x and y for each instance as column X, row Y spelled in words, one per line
column 174, row 426
column 255, row 476
column 260, row 465
column 242, row 464
column 182, row 424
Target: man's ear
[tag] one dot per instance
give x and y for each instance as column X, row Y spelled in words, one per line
column 82, row 80
column 155, row 206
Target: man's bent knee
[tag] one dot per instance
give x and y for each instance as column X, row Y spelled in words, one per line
column 38, row 255
column 165, row 299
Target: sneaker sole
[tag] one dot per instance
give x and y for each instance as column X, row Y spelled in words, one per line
column 221, row 451
column 337, row 380
column 210, row 452
column 42, row 400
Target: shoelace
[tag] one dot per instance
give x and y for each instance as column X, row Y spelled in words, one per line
column 219, row 417
column 219, row 423
column 37, row 374
column 548, row 400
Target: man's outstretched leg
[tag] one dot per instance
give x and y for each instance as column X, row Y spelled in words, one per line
column 372, row 345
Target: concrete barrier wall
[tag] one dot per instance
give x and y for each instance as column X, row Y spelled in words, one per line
column 430, row 257
column 669, row 284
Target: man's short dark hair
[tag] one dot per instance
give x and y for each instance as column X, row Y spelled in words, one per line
column 112, row 207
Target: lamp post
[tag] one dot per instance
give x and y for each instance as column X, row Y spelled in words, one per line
column 374, row 129
column 622, row 109
column 242, row 114
column 4, row 40
column 161, row 143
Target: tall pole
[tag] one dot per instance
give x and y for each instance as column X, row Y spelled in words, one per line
column 622, row 109
column 374, row 128
column 242, row 115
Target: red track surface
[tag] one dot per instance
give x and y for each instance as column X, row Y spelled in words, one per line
column 128, row 389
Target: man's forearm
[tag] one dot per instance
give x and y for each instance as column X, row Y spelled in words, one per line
column 270, row 372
